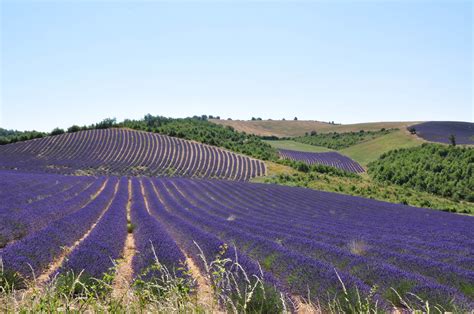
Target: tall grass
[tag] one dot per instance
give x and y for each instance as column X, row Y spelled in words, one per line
column 175, row 291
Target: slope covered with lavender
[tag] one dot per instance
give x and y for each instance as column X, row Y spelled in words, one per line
column 332, row 159
column 127, row 152
column 300, row 237
column 440, row 131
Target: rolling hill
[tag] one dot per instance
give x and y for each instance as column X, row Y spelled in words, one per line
column 440, row 131
column 292, row 128
column 139, row 210
column 371, row 150
column 127, row 152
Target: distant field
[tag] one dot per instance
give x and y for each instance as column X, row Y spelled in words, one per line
column 291, row 128
column 364, row 152
column 371, row 150
column 292, row 145
column 440, row 131
column 331, row 159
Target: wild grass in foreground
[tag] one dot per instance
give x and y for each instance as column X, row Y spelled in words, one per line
column 233, row 292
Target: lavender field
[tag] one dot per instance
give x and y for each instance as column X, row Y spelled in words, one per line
column 127, row 152
column 440, row 131
column 332, row 159
column 303, row 239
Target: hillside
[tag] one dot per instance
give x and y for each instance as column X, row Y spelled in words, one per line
column 127, row 152
column 292, row 128
column 12, row 136
column 154, row 205
column 201, row 130
column 371, row 150
column 441, row 132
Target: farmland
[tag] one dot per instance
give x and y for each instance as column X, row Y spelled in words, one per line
column 236, row 157
column 292, row 128
column 332, row 159
column 113, row 213
column 328, row 238
column 441, row 131
column 127, row 152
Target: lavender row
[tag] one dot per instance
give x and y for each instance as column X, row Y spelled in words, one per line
column 34, row 216
column 127, row 152
column 255, row 224
column 453, row 275
column 151, row 239
column 256, row 242
column 14, row 194
column 96, row 254
column 331, row 159
column 195, row 241
column 35, row 252
column 289, row 263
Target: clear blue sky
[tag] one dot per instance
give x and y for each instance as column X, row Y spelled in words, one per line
column 77, row 62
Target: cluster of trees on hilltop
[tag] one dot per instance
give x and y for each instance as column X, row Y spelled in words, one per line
column 12, row 136
column 201, row 130
column 338, row 141
column 438, row 169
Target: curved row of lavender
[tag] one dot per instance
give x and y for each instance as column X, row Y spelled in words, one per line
column 332, row 159
column 128, row 152
column 301, row 237
column 440, row 131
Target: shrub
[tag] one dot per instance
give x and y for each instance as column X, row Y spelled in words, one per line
column 57, row 131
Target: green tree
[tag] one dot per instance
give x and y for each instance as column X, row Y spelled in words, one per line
column 57, row 131
column 452, row 140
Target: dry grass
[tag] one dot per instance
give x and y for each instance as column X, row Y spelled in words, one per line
column 291, row 128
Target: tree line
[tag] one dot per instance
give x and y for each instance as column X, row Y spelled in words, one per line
column 338, row 141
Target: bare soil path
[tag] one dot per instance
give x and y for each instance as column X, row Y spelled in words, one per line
column 124, row 273
column 43, row 278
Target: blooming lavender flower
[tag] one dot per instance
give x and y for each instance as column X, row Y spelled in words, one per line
column 332, row 159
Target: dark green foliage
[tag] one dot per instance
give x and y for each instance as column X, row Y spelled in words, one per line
column 412, row 130
column 105, row 124
column 452, row 139
column 201, row 130
column 340, row 140
column 12, row 136
column 442, row 170
column 73, row 129
column 57, row 131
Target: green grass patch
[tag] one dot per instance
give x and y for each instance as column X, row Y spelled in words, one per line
column 371, row 150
